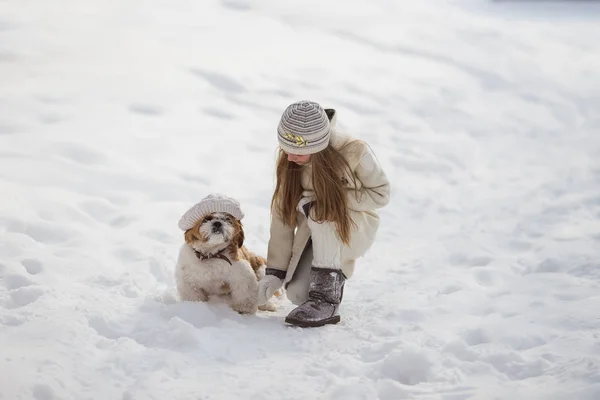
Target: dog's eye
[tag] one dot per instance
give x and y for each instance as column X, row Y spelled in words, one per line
column 208, row 219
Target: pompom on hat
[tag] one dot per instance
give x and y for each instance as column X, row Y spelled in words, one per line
column 212, row 203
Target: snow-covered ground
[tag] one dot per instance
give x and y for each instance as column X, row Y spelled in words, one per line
column 117, row 116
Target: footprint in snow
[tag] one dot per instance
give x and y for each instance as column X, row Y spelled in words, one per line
column 11, row 320
column 405, row 315
column 520, row 245
column 32, row 266
column 50, row 118
column 100, row 210
column 549, row 265
column 148, row 110
column 6, row 25
column 44, row 232
column 8, row 57
column 9, row 129
column 475, row 261
column 516, row 366
column 486, row 276
column 239, row 5
column 474, row 337
column 377, row 351
column 194, row 178
column 79, row 154
column 586, row 270
column 42, row 392
column 15, row 281
column 479, row 261
column 217, row 113
column 219, row 81
column 23, row 296
column 408, row 366
column 104, row 328
column 121, row 221
column 53, row 99
column 453, row 288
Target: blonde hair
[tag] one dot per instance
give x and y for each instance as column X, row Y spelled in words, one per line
column 330, row 173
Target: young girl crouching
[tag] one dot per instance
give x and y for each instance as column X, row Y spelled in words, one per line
column 323, row 213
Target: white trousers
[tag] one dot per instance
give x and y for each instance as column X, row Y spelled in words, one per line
column 322, row 250
column 327, row 247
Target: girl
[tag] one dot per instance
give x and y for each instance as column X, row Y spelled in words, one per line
column 323, row 213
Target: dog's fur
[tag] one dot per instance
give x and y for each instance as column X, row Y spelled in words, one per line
column 201, row 280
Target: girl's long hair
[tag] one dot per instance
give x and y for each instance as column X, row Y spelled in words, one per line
column 330, row 174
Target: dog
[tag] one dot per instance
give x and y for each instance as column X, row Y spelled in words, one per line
column 213, row 263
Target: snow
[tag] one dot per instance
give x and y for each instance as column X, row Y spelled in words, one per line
column 115, row 117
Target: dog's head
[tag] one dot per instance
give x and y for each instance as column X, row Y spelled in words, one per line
column 215, row 231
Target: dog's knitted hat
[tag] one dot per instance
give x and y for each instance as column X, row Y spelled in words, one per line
column 212, row 203
column 304, row 128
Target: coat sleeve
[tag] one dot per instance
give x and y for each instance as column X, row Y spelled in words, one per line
column 280, row 245
column 375, row 190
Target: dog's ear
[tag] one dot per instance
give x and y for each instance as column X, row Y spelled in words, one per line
column 189, row 235
column 239, row 237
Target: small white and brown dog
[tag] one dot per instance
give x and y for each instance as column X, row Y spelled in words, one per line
column 213, row 262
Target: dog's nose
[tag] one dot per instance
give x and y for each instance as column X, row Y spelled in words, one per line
column 217, row 224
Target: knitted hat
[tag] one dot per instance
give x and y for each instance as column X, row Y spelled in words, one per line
column 211, row 203
column 304, row 128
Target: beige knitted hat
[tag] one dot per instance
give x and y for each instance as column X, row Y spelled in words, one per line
column 304, row 128
column 212, row 203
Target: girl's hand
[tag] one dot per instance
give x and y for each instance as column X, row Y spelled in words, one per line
column 267, row 287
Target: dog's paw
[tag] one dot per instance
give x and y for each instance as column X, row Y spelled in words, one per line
column 245, row 308
column 268, row 306
column 246, row 311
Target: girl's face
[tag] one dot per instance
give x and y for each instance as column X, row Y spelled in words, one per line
column 298, row 159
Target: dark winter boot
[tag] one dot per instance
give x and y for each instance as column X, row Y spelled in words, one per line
column 324, row 298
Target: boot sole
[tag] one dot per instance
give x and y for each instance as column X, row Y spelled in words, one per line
column 313, row 324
